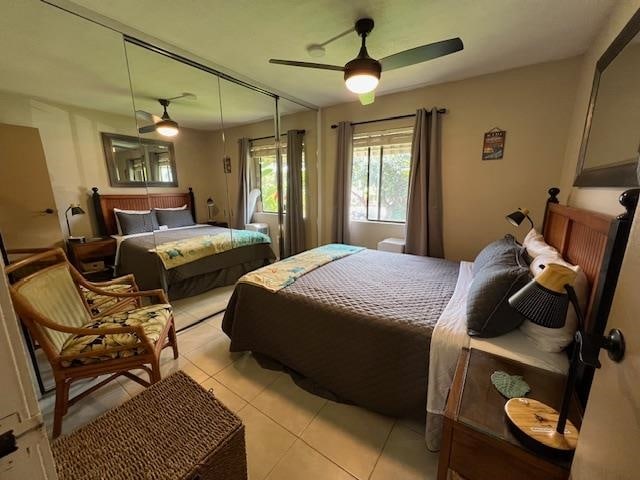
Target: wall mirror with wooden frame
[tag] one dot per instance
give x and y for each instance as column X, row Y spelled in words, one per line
column 139, row 162
column 611, row 140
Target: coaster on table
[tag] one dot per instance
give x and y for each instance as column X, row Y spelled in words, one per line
column 510, row 386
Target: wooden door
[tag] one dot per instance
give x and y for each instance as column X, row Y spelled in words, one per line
column 28, row 216
column 609, row 443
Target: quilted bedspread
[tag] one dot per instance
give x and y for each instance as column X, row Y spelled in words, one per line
column 359, row 327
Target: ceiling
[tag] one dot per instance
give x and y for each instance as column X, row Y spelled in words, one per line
column 242, row 35
column 68, row 60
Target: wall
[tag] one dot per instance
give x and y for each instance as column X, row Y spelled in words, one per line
column 533, row 104
column 229, row 182
column 599, row 199
column 75, row 158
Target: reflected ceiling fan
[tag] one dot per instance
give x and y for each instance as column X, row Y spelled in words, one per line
column 362, row 74
column 164, row 125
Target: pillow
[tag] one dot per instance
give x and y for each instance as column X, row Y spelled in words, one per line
column 536, row 245
column 488, row 311
column 175, row 218
column 557, row 339
column 183, row 207
column 505, row 251
column 116, row 210
column 132, row 223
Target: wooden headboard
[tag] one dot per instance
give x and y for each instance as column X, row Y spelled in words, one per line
column 597, row 242
column 104, row 205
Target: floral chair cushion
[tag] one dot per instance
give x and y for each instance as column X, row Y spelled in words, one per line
column 99, row 303
column 153, row 319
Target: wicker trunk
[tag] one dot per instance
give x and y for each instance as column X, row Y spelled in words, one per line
column 173, row 430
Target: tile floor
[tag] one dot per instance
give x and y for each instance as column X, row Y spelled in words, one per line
column 290, row 433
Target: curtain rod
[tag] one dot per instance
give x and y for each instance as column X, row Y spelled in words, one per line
column 397, row 117
column 273, row 136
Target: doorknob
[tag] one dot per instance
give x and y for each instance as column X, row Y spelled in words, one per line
column 49, row 211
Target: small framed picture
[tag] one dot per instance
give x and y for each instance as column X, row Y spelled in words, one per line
column 227, row 164
column 493, row 147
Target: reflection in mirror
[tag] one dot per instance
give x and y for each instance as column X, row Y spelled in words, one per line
column 611, row 147
column 133, row 161
column 57, row 96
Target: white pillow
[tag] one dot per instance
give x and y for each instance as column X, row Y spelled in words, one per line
column 536, row 245
column 183, row 207
column 138, row 212
column 557, row 339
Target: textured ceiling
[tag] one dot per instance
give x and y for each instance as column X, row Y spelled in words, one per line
column 63, row 58
column 243, row 34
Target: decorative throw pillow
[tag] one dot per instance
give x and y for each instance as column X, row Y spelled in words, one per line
column 557, row 339
column 505, row 251
column 132, row 223
column 536, row 245
column 175, row 218
column 488, row 311
column 118, row 210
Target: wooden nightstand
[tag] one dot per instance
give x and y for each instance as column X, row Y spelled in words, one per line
column 93, row 250
column 477, row 443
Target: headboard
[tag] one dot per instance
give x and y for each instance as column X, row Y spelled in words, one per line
column 597, row 242
column 104, row 205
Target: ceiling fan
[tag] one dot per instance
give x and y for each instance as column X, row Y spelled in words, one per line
column 164, row 125
column 362, row 74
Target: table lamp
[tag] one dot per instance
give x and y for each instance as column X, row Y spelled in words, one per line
column 545, row 301
column 210, row 205
column 75, row 210
column 517, row 217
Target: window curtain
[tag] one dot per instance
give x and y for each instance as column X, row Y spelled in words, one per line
column 424, row 209
column 244, row 184
column 294, row 240
column 342, row 200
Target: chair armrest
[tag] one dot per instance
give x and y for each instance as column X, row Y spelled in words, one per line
column 123, row 280
column 157, row 293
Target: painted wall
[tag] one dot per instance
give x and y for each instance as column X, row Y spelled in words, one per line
column 599, row 199
column 75, row 158
column 533, row 104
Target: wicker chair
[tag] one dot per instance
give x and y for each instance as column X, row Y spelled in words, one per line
column 55, row 304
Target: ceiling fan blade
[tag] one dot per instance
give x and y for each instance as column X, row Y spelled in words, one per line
column 367, row 98
column 421, row 54
column 147, row 129
column 141, row 114
column 293, row 63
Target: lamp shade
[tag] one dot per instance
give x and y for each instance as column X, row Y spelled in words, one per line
column 544, row 300
column 76, row 210
column 517, row 217
column 210, row 202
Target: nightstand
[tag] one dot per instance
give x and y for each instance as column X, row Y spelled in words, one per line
column 94, row 258
column 477, row 443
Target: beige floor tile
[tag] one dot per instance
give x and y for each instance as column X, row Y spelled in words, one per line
column 246, row 377
column 216, row 321
column 226, row 396
column 213, row 356
column 405, row 456
column 183, row 318
column 197, row 336
column 207, row 303
column 303, row 462
column 267, row 442
column 289, row 405
column 415, row 425
column 350, row 436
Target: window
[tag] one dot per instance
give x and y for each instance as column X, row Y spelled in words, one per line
column 380, row 175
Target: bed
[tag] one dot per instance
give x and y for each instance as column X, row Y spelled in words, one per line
column 361, row 326
column 135, row 253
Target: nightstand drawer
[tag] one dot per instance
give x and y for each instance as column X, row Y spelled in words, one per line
column 94, row 250
column 474, row 455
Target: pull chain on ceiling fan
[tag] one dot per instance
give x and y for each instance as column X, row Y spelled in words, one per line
column 362, row 74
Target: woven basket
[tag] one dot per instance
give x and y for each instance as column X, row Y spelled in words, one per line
column 173, row 430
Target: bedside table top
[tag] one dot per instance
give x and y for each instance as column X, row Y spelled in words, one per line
column 482, row 406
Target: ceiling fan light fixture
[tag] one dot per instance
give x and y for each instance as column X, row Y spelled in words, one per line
column 362, row 75
column 167, row 128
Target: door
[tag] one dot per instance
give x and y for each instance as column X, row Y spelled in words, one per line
column 19, row 411
column 610, row 436
column 28, row 217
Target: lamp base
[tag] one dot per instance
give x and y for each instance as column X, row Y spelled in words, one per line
column 537, row 422
column 77, row 239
